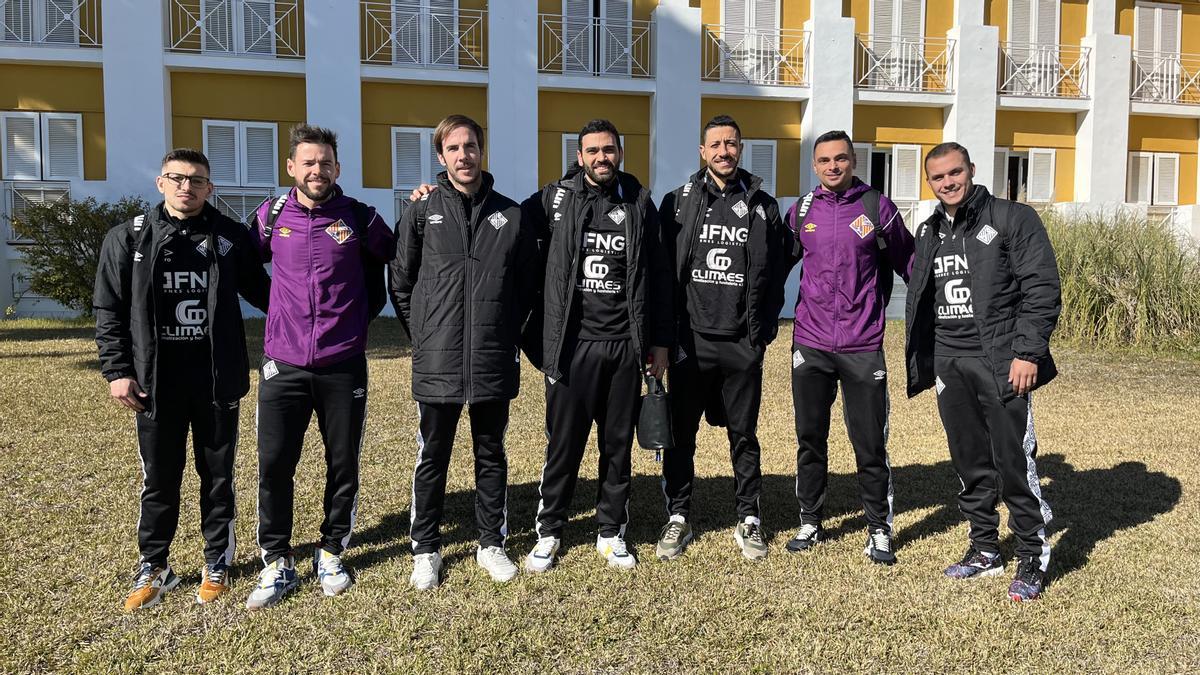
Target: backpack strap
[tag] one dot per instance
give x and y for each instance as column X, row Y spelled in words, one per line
column 273, row 214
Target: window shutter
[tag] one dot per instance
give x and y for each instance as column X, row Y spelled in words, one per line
column 61, row 26
column 760, row 161
column 63, row 156
column 258, row 26
column 906, row 173
column 22, row 146
column 435, row 167
column 616, row 36
column 262, row 157
column 765, row 15
column 1045, row 25
column 406, row 34
column 1000, row 174
column 1168, row 29
column 1020, row 22
column 882, row 19
column 735, row 16
column 1041, row 175
column 443, row 29
column 17, row 22
column 910, row 19
column 1166, row 179
column 577, row 36
column 407, row 168
column 570, row 148
column 216, row 25
column 1137, row 180
column 862, row 162
column 221, row 148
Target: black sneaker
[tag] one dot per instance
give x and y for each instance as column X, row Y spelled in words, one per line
column 1027, row 584
column 976, row 565
column 808, row 536
column 879, row 548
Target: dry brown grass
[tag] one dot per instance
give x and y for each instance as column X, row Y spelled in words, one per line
column 1120, row 459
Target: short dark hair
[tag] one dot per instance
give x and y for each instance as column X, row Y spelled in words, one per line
column 943, row 149
column 720, row 121
column 189, row 155
column 835, row 135
column 599, row 126
column 304, row 133
column 451, row 123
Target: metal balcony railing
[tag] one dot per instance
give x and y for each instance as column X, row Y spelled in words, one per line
column 18, row 195
column 589, row 46
column 887, row 62
column 50, row 23
column 1060, row 71
column 268, row 28
column 1165, row 77
column 408, row 34
column 754, row 56
column 239, row 203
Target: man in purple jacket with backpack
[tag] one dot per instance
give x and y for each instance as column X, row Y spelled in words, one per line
column 328, row 253
column 851, row 239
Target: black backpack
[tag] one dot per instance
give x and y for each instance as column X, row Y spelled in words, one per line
column 373, row 270
column 870, row 202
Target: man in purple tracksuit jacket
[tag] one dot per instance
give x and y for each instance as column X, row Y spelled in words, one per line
column 323, row 245
column 851, row 239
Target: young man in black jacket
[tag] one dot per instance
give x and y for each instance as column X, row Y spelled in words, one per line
column 732, row 255
column 463, row 281
column 173, row 349
column 605, row 314
column 983, row 299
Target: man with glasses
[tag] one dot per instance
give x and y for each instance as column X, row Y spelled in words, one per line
column 172, row 347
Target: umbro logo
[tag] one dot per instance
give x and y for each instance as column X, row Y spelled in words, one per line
column 435, row 219
column 360, row 392
column 137, row 256
column 880, row 374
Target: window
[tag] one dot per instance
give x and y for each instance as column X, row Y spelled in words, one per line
column 1041, row 176
column 240, row 26
column 414, row 159
column 597, row 37
column 862, row 162
column 906, row 173
column 1033, row 22
column 758, row 157
column 41, row 146
column 1032, row 60
column 425, row 32
column 897, row 30
column 749, row 30
column 570, row 151
column 1153, row 178
column 1156, row 73
column 242, row 154
column 40, row 21
column 18, row 196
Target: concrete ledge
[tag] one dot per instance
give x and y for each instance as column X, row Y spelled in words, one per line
column 743, row 90
column 1164, row 109
column 607, row 85
column 371, row 72
column 233, row 64
column 916, row 99
column 70, row 56
column 1047, row 103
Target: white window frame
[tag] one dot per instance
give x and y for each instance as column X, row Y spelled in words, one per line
column 4, row 145
column 894, row 181
column 1033, row 12
column 241, row 159
column 427, row 158
column 573, row 139
column 862, row 162
column 747, row 164
column 897, row 14
column 41, row 145
column 1141, row 6
column 1029, row 184
column 1153, row 177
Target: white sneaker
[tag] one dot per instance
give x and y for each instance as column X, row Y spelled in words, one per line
column 496, row 562
column 330, row 572
column 427, row 571
column 614, row 551
column 541, row 558
column 274, row 583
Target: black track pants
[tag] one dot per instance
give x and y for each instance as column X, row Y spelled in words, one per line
column 287, row 398
column 603, row 386
column 727, row 372
column 435, row 439
column 162, row 444
column 863, row 377
column 993, row 448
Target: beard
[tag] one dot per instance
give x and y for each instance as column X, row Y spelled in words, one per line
column 730, row 173
column 315, row 195
column 601, row 180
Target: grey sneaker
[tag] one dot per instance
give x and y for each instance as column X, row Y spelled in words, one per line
column 749, row 538
column 274, row 583
column 330, row 571
column 675, row 537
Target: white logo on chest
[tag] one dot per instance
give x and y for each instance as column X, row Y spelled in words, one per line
column 740, row 209
column 497, row 220
column 986, row 235
column 617, row 215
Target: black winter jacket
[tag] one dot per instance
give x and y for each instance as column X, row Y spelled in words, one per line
column 462, row 291
column 123, row 301
column 1015, row 290
column 769, row 251
column 558, row 211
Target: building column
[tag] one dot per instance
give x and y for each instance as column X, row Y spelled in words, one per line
column 1102, row 133
column 830, row 79
column 332, row 84
column 137, row 97
column 971, row 118
column 512, row 97
column 675, row 105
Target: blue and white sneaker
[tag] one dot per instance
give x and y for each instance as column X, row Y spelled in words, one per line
column 541, row 558
column 275, row 581
column 976, row 565
column 334, row 577
column 1028, row 583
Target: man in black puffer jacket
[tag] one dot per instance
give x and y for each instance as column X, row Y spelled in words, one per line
column 463, row 280
column 606, row 310
column 983, row 298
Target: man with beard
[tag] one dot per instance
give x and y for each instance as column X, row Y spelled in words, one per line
column 983, row 301
column 606, row 311
column 173, row 349
column 463, row 280
column 732, row 257
column 325, row 248
column 851, row 238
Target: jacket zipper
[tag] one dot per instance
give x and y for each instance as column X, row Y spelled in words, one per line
column 630, row 271
column 312, row 290
column 746, row 280
column 465, row 231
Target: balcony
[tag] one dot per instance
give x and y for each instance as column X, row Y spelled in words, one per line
column 255, row 28
column 888, row 63
column 239, row 203
column 408, row 34
column 1165, row 77
column 604, row 47
column 754, row 56
column 1049, row 70
column 19, row 195
column 50, row 23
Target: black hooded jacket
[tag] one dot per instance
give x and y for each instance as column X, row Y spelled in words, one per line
column 124, row 305
column 558, row 211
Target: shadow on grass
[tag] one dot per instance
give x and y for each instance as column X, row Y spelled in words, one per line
column 63, row 332
column 1090, row 506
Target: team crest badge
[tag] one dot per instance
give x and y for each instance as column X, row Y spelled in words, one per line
column 617, row 215
column 987, row 234
column 761, row 213
column 223, row 245
column 340, row 232
column 862, row 226
column 797, row 359
column 740, row 209
column 202, row 247
column 497, row 220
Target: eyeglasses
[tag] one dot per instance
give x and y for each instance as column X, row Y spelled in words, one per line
column 178, row 178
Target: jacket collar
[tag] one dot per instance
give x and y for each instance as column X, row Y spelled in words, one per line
column 857, row 187
column 485, row 186
column 750, row 182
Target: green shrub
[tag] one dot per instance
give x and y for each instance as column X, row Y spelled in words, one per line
column 66, row 235
column 1127, row 282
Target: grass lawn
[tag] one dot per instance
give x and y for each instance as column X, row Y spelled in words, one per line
column 1120, row 461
